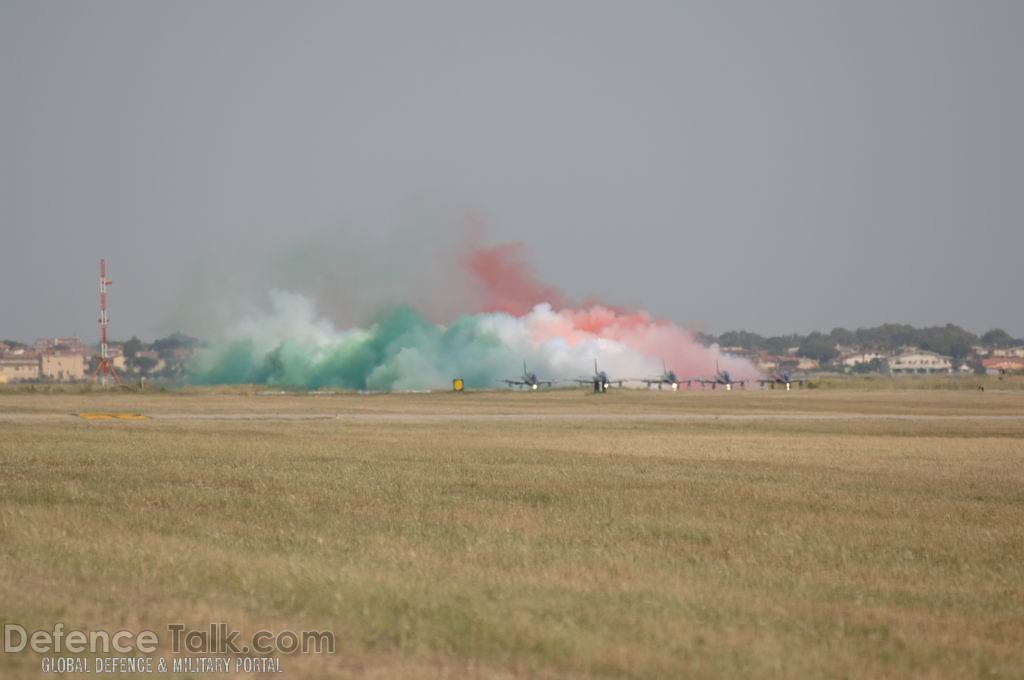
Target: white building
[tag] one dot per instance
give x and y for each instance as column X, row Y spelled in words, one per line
column 18, row 369
column 807, row 364
column 862, row 358
column 62, row 366
column 918, row 362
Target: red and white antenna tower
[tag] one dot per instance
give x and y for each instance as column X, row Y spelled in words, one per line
column 104, row 365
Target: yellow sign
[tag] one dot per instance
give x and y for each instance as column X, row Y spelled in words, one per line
column 458, row 385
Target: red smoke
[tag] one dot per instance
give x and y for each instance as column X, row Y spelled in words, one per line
column 508, row 284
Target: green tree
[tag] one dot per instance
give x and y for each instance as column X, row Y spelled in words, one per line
column 950, row 340
column 704, row 338
column 744, row 339
column 873, row 366
column 997, row 337
column 166, row 346
column 145, row 364
column 132, row 347
column 780, row 344
column 818, row 346
column 842, row 336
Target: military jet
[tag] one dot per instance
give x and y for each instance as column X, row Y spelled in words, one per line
column 599, row 380
column 528, row 379
column 667, row 377
column 781, row 378
column 720, row 378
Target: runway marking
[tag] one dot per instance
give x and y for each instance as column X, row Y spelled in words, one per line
column 112, row 416
column 483, row 417
column 448, row 417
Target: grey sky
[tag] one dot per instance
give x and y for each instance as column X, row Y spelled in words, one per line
column 774, row 166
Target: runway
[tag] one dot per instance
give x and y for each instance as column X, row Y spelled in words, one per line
column 505, row 417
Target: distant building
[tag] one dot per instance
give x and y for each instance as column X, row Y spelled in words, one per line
column 807, row 364
column 62, row 367
column 1009, row 352
column 156, row 363
column 21, row 353
column 18, row 369
column 115, row 351
column 70, row 345
column 768, row 362
column 1001, row 365
column 917, row 362
column 862, row 358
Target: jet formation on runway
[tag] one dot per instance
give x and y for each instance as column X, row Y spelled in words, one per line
column 601, row 381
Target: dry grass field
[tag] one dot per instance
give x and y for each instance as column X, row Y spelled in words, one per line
column 831, row 533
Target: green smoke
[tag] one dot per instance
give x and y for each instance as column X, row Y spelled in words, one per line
column 401, row 350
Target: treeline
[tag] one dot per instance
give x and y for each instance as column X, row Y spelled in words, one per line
column 162, row 358
column 951, row 340
column 165, row 347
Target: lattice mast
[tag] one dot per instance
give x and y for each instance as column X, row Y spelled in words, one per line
column 104, row 365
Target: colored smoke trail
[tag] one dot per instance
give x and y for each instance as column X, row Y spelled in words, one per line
column 518, row 318
column 504, row 277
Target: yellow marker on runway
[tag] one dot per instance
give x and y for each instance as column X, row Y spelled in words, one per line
column 113, row 416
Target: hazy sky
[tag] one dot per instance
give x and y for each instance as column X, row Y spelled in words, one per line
column 774, row 166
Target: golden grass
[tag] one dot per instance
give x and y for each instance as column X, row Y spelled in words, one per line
column 557, row 534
